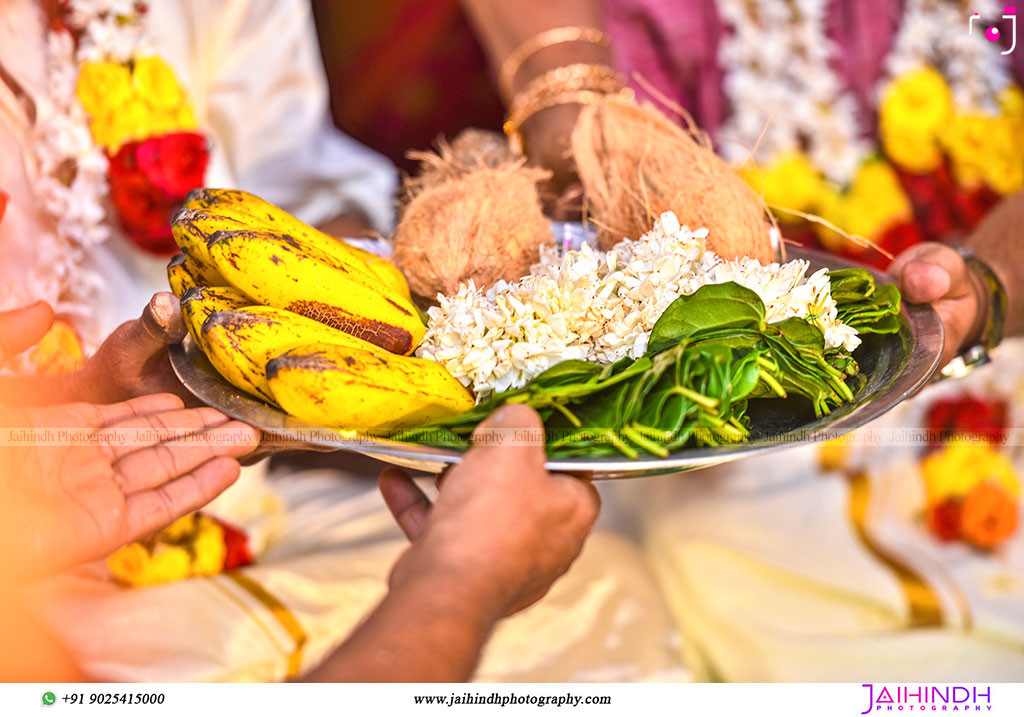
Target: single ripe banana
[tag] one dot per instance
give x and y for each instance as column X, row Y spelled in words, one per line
column 278, row 271
column 199, row 302
column 234, row 206
column 240, row 342
column 206, row 223
column 367, row 392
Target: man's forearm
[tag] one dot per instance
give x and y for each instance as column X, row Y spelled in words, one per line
column 427, row 632
column 999, row 242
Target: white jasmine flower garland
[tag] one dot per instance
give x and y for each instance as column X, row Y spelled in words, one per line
column 70, row 170
column 601, row 306
column 784, row 94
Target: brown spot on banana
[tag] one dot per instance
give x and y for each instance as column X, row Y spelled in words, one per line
column 315, row 362
column 399, row 307
column 392, row 338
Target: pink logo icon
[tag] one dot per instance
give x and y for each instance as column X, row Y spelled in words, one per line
column 992, row 34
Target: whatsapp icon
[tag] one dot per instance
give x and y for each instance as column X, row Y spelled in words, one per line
column 49, row 698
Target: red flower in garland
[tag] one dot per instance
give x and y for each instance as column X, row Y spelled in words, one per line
column 966, row 414
column 931, row 196
column 174, row 163
column 972, row 205
column 150, row 179
column 4, row 196
column 944, row 519
column 236, row 543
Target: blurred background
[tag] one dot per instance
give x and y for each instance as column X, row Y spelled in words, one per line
column 399, row 94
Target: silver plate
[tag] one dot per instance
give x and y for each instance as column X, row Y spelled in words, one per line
column 895, row 366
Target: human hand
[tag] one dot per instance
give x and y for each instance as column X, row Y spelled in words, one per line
column 932, row 273
column 107, row 475
column 503, row 529
column 133, row 360
column 546, row 138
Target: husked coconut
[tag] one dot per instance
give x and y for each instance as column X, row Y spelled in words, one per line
column 635, row 164
column 474, row 212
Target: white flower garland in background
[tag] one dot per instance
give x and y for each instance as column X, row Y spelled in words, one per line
column 70, row 173
column 780, row 84
column 780, row 81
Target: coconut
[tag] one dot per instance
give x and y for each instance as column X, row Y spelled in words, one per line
column 471, row 149
column 472, row 213
column 635, row 163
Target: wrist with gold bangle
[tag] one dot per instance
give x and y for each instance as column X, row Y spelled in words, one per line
column 562, row 80
column 579, row 83
column 541, row 41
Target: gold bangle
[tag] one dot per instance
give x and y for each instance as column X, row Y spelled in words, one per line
column 559, row 82
column 573, row 97
column 555, row 36
column 578, row 76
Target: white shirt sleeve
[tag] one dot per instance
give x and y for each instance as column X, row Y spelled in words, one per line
column 257, row 80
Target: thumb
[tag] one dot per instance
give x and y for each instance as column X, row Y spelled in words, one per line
column 407, row 503
column 23, row 328
column 160, row 325
column 928, row 272
column 511, row 425
column 511, row 434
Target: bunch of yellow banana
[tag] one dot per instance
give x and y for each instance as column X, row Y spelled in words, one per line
column 240, row 342
column 257, row 286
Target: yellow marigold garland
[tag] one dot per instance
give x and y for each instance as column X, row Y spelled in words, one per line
column 132, row 101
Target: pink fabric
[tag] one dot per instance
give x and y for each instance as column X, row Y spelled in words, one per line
column 673, row 44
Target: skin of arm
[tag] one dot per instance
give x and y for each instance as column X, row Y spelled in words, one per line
column 423, row 631
column 502, row 27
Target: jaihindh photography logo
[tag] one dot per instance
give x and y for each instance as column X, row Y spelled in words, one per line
column 993, row 33
column 948, row 698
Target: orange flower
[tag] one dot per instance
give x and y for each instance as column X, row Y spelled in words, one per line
column 989, row 516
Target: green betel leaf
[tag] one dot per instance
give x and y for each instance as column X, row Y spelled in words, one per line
column 802, row 334
column 566, row 373
column 715, row 306
column 887, row 295
column 888, row 324
column 861, row 304
column 854, row 284
column 745, row 376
